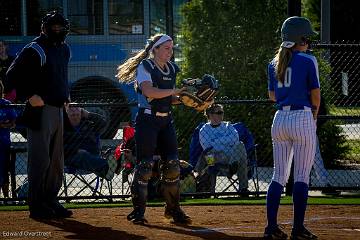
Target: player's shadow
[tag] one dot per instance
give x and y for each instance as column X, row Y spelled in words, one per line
column 200, row 232
column 85, row 231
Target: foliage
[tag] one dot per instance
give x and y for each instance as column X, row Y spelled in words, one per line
column 312, row 10
column 332, row 143
column 234, row 41
column 354, row 152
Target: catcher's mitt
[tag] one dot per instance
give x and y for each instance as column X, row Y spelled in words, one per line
column 199, row 93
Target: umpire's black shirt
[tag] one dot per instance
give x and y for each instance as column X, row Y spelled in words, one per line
column 41, row 69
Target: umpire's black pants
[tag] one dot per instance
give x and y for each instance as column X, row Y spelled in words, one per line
column 46, row 158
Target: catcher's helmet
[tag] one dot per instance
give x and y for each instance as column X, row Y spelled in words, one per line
column 296, row 30
column 55, row 18
column 210, row 80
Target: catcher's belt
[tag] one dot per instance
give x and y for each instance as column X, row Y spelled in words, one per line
column 158, row 114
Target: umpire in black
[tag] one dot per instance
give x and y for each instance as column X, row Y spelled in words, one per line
column 155, row 80
column 40, row 76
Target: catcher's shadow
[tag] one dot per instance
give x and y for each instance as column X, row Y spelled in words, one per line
column 81, row 230
column 200, row 232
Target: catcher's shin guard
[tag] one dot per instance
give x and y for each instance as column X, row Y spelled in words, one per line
column 170, row 189
column 171, row 193
column 143, row 172
column 170, row 182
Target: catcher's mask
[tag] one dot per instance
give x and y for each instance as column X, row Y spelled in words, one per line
column 55, row 18
column 296, row 30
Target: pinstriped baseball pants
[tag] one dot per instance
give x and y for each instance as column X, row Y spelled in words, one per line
column 294, row 138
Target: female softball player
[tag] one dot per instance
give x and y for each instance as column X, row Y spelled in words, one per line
column 155, row 76
column 294, row 85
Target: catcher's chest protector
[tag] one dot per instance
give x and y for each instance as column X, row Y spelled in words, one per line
column 162, row 79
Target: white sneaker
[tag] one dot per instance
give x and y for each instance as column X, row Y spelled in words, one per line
column 112, row 162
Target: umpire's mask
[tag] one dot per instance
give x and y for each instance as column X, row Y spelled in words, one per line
column 58, row 35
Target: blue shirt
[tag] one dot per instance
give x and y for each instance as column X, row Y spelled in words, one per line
column 6, row 114
column 302, row 75
column 221, row 138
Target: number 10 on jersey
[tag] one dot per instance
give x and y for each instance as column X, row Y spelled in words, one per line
column 287, row 80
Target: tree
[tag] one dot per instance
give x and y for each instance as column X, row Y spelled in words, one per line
column 233, row 40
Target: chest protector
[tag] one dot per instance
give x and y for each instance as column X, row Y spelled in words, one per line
column 162, row 80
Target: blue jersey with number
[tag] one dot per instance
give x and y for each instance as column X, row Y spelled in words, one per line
column 301, row 76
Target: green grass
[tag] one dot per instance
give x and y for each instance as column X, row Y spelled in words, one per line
column 324, row 200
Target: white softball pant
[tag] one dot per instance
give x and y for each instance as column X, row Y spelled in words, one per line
column 294, row 137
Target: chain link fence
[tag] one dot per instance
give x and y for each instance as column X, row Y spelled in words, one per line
column 338, row 132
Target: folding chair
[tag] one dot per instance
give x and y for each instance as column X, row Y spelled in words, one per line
column 197, row 153
column 78, row 182
column 84, row 182
column 251, row 149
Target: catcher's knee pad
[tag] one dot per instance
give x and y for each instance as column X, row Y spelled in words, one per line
column 143, row 172
column 170, row 171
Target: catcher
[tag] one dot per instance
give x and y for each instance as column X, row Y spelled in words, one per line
column 155, row 78
column 199, row 93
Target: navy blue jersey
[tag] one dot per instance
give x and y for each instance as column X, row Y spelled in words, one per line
column 302, row 75
column 41, row 68
column 162, row 79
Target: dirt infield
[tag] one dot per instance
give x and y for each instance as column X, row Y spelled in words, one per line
column 209, row 222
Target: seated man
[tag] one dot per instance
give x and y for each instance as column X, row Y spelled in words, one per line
column 82, row 143
column 223, row 153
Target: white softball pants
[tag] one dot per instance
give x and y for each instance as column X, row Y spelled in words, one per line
column 294, row 137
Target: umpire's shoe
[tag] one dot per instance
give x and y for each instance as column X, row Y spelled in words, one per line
column 136, row 217
column 178, row 215
column 274, row 233
column 60, row 210
column 41, row 212
column 302, row 234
